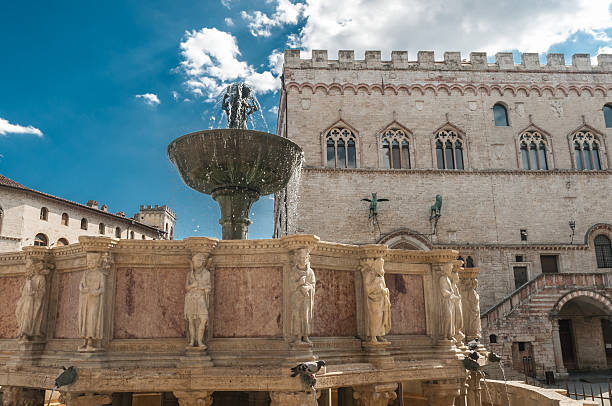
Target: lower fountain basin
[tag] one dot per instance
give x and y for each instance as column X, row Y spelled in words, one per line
column 236, row 167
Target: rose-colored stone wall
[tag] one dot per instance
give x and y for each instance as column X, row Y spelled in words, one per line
column 11, row 290
column 334, row 309
column 149, row 303
column 248, row 302
column 407, row 303
column 66, row 325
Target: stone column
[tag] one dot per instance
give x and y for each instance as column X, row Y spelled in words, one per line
column 85, row 399
column 194, row 398
column 474, row 391
column 17, row 396
column 441, row 392
column 375, row 395
column 294, row 398
column 556, row 341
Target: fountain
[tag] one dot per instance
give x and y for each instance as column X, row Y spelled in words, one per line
column 235, row 165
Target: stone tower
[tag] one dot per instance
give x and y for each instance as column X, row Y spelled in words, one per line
column 161, row 217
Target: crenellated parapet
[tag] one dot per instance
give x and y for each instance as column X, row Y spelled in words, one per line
column 478, row 61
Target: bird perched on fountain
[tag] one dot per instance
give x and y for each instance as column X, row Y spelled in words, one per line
column 66, row 378
column 307, row 371
column 472, row 345
column 494, row 357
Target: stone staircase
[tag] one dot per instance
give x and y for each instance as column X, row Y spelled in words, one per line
column 541, row 294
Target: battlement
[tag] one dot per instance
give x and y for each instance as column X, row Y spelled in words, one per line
column 478, row 61
column 157, row 208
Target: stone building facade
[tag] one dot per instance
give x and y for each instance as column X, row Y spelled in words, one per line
column 29, row 217
column 519, row 154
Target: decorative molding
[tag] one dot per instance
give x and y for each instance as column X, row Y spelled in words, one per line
column 455, row 88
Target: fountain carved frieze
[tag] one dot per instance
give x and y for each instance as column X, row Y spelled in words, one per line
column 109, row 297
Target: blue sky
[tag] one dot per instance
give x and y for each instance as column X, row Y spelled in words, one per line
column 92, row 93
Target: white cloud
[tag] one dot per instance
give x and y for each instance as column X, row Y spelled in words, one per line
column 461, row 25
column 8, row 128
column 226, row 4
column 260, row 24
column 211, row 61
column 229, row 22
column 175, row 95
column 273, row 110
column 149, row 98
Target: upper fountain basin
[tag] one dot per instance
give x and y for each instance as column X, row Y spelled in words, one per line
column 235, row 158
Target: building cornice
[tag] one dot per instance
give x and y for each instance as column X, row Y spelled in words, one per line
column 446, row 172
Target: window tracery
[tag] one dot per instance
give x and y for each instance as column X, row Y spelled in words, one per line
column 395, row 147
column 586, row 150
column 341, row 148
column 534, row 151
column 449, row 150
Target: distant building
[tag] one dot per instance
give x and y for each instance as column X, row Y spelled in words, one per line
column 29, row 217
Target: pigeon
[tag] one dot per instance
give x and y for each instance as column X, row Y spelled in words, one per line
column 494, row 357
column 307, row 371
column 470, row 364
column 307, row 368
column 66, row 378
column 472, row 345
column 474, row 355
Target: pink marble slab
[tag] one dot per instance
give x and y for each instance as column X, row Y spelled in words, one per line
column 248, row 302
column 11, row 290
column 407, row 303
column 66, row 324
column 149, row 303
column 334, row 309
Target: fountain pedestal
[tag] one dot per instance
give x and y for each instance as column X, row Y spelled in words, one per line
column 235, row 204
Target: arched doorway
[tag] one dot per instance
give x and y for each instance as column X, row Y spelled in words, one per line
column 585, row 332
column 405, row 239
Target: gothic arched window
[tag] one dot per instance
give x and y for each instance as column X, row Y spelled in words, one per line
column 500, row 115
column 607, row 112
column 341, row 148
column 41, row 240
column 603, row 251
column 586, row 151
column 395, row 149
column 534, row 154
column 449, row 150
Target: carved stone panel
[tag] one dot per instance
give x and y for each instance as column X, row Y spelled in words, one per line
column 407, row 303
column 247, row 302
column 149, row 303
column 335, row 304
column 66, row 325
column 10, row 288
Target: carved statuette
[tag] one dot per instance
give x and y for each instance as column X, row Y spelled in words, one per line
column 302, row 287
column 447, row 304
column 91, row 300
column 197, row 299
column 457, row 308
column 471, row 309
column 377, row 301
column 30, row 311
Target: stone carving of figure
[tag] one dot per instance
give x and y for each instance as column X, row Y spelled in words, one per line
column 447, row 304
column 30, row 306
column 238, row 104
column 457, row 308
column 378, row 303
column 91, row 300
column 197, row 296
column 471, row 310
column 302, row 284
